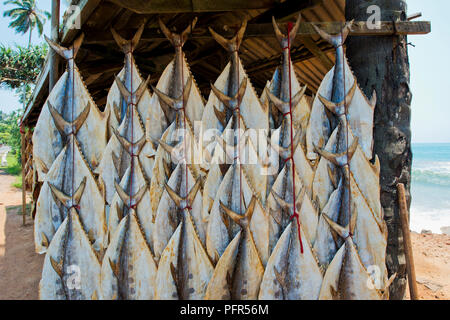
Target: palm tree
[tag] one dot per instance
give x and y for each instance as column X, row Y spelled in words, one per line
column 26, row 16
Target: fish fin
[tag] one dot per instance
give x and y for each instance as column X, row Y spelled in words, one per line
column 61, row 196
column 333, row 177
column 338, row 39
column 174, row 38
column 282, row 37
column 334, row 293
column 173, row 195
column 300, row 198
column 233, row 215
column 119, row 211
column 187, row 90
column 221, row 96
column 343, row 232
column 66, row 53
column 193, row 192
column 241, row 92
column 114, row 268
column 281, row 202
column 79, row 192
column 232, row 44
column 164, row 98
column 167, row 170
column 141, row 89
column 116, row 162
column 339, row 159
column 44, row 240
column 42, row 164
column 188, row 30
column 122, row 194
column 128, row 45
column 116, row 112
column 137, row 197
column 57, row 266
column 221, row 116
column 281, row 278
column 298, row 96
column 133, row 149
column 66, row 127
column 391, row 279
column 277, row 102
column 94, row 295
column 242, row 220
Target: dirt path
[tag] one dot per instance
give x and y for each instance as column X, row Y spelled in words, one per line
column 20, row 266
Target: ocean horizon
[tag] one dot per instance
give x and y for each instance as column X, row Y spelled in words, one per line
column 430, row 187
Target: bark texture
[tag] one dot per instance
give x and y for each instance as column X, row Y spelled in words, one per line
column 381, row 64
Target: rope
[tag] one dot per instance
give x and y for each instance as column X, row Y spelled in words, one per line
column 73, row 128
column 131, row 105
column 347, row 130
column 295, row 214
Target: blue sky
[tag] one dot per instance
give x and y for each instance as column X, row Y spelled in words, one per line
column 430, row 69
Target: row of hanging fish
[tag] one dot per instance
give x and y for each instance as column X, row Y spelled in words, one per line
column 137, row 202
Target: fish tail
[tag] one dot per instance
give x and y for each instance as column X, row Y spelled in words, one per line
column 128, row 46
column 233, row 44
column 66, row 53
column 338, row 39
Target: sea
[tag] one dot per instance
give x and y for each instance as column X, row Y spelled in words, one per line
column 430, row 187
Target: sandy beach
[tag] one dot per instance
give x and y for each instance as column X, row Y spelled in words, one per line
column 21, row 267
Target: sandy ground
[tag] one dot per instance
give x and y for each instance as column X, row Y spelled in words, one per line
column 21, row 267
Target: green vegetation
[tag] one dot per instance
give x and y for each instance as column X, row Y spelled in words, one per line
column 13, row 168
column 10, row 133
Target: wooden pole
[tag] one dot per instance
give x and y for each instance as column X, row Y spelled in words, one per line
column 24, row 191
column 381, row 63
column 54, row 59
column 410, row 269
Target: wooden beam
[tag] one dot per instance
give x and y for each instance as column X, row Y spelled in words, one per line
column 179, row 6
column 309, row 44
column 84, row 10
column 285, row 10
column 265, row 30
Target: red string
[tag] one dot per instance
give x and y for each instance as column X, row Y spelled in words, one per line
column 295, row 214
column 131, row 105
column 345, row 114
column 73, row 128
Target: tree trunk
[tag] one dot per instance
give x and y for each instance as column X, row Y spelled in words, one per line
column 381, row 63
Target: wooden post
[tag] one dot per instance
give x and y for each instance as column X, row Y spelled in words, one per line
column 23, row 163
column 381, row 63
column 54, row 58
column 410, row 268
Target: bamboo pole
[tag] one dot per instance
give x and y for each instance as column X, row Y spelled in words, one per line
column 24, row 191
column 410, row 268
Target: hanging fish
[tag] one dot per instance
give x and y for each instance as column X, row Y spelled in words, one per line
column 116, row 158
column 178, row 95
column 239, row 271
column 346, row 277
column 69, row 98
column 184, row 269
column 68, row 171
column 290, row 273
column 178, row 195
column 128, row 268
column 71, row 267
column 284, row 81
column 331, row 95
